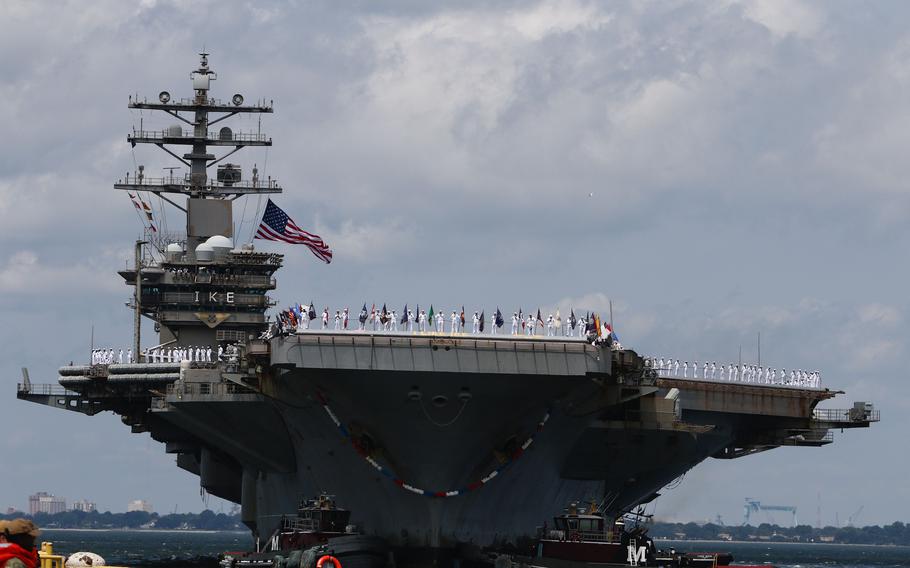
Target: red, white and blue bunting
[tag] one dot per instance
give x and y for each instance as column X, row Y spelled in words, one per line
column 425, row 492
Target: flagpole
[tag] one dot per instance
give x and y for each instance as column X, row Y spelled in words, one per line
column 611, row 315
column 137, row 301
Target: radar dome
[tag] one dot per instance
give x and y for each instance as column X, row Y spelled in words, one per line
column 84, row 560
column 205, row 252
column 173, row 251
column 220, row 245
column 217, row 242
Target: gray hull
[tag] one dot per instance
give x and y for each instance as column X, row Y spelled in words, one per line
column 408, row 431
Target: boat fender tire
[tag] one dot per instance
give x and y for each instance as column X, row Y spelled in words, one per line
column 326, row 559
column 293, row 559
column 308, row 559
column 574, row 536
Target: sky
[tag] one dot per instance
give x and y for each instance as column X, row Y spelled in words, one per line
column 716, row 170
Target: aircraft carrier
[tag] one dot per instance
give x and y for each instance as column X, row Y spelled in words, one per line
column 432, row 440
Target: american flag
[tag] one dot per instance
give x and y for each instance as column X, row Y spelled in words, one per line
column 277, row 226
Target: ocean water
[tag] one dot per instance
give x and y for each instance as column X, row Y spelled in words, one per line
column 132, row 547
column 172, row 547
column 793, row 555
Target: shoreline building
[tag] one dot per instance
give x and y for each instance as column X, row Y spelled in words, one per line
column 139, row 505
column 84, row 505
column 42, row 502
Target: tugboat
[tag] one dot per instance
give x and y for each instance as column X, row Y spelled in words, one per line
column 320, row 533
column 583, row 538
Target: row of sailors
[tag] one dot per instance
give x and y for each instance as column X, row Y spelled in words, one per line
column 108, row 357
column 742, row 373
column 422, row 322
column 197, row 353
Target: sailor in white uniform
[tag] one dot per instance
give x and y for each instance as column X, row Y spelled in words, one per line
column 305, row 318
column 337, row 320
column 529, row 325
column 325, row 318
column 581, row 326
column 208, row 353
column 515, row 323
column 686, row 370
column 410, row 321
column 440, row 322
column 394, row 321
column 550, row 324
column 422, row 321
column 455, row 320
column 475, row 323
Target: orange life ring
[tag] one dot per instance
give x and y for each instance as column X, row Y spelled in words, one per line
column 327, row 558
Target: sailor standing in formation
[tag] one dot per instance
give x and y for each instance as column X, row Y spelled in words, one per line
column 337, row 320
column 394, row 321
column 551, row 323
column 305, row 318
column 475, row 323
column 515, row 324
column 440, row 322
column 529, row 325
column 325, row 318
column 410, row 321
column 422, row 321
column 454, row 323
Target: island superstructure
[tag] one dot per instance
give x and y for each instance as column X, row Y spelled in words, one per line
column 431, row 440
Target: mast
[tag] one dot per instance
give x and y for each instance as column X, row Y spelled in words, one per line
column 207, row 207
column 137, row 303
column 205, row 290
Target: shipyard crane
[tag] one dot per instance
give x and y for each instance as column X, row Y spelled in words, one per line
column 852, row 519
column 753, row 506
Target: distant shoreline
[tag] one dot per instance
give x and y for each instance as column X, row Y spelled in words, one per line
column 126, row 529
column 777, row 542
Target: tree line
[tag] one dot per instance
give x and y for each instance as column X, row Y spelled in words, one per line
column 896, row 533
column 206, row 520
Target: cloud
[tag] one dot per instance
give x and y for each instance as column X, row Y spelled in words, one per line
column 880, row 315
column 23, row 275
column 785, row 17
column 369, row 243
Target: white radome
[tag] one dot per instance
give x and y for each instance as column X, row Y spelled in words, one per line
column 219, row 242
column 205, row 252
column 83, row 560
